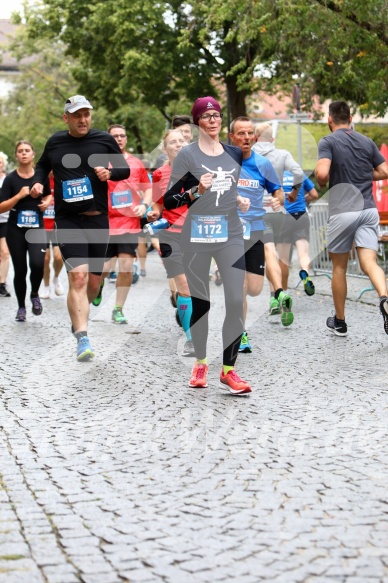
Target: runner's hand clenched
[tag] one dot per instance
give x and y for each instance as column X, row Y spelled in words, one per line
column 36, row 190
column 205, row 182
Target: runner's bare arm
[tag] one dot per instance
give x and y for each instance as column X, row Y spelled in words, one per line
column 7, row 205
column 381, row 171
column 322, row 171
column 277, row 199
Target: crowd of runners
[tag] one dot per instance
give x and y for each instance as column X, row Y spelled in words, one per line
column 236, row 210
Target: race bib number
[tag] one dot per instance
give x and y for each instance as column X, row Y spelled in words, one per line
column 49, row 213
column 246, row 225
column 28, row 219
column 122, row 199
column 209, row 229
column 77, row 190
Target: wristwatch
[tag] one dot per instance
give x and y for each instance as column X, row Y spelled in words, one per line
column 194, row 192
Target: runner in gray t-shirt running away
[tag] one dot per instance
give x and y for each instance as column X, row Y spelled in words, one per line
column 351, row 161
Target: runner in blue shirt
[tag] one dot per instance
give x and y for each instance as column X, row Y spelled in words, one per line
column 257, row 176
column 296, row 230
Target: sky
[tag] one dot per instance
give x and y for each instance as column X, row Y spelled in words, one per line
column 6, row 8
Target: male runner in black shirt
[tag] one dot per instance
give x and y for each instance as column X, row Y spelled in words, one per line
column 82, row 160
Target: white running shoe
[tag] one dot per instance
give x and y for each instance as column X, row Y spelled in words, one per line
column 58, row 287
column 45, row 293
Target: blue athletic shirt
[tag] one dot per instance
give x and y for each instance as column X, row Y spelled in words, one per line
column 257, row 175
column 299, row 206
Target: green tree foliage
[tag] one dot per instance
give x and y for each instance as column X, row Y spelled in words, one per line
column 132, row 56
column 127, row 51
column 337, row 49
column 343, row 50
column 33, row 109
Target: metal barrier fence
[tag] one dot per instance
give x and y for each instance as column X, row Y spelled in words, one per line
column 320, row 261
column 319, row 214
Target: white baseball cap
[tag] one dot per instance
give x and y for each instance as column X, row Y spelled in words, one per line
column 75, row 103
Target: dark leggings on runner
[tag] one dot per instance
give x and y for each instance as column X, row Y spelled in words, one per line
column 19, row 247
column 197, row 266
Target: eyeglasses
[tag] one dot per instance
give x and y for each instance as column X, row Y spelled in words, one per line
column 120, row 136
column 209, row 116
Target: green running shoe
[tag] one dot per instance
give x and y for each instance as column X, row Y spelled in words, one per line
column 274, row 306
column 245, row 345
column 118, row 316
column 98, row 299
column 285, row 302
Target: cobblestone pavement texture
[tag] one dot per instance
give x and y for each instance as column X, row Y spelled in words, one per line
column 114, row 470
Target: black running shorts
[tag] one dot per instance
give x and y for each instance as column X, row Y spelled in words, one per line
column 125, row 243
column 254, row 251
column 170, row 252
column 83, row 240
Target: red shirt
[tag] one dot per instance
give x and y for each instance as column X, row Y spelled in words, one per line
column 160, row 180
column 123, row 196
column 49, row 213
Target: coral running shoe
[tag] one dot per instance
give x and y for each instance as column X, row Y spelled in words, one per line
column 234, row 384
column 198, row 376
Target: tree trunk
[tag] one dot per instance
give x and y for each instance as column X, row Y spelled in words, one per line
column 235, row 98
column 135, row 130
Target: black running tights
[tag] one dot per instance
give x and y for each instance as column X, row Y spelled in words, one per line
column 230, row 263
column 19, row 247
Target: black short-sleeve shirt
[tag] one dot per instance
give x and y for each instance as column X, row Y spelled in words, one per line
column 73, row 158
column 353, row 158
column 13, row 183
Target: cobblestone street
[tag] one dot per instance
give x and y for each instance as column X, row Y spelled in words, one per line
column 116, row 471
